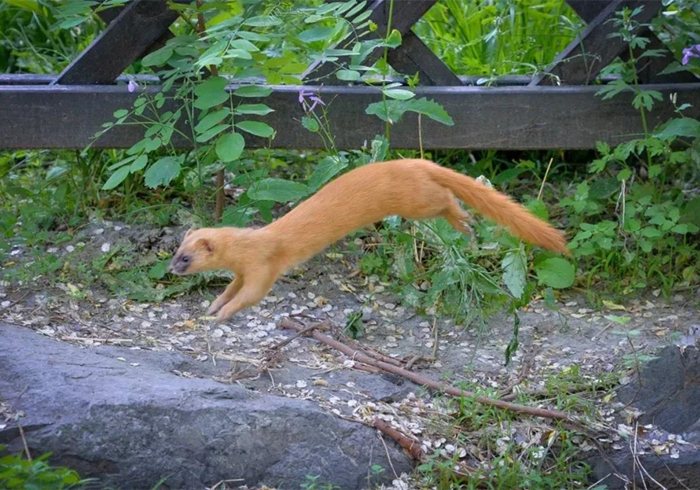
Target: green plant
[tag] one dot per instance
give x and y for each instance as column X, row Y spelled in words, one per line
column 503, row 453
column 647, row 240
column 36, row 474
column 498, row 37
column 312, row 483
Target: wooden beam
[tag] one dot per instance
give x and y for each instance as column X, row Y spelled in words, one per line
column 127, row 37
column 108, row 15
column 475, row 80
column 648, row 68
column 594, row 49
column 509, row 118
column 413, row 56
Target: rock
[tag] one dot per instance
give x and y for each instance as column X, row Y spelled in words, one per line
column 131, row 425
column 668, row 394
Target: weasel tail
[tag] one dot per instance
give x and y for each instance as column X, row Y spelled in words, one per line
column 412, row 189
column 501, row 209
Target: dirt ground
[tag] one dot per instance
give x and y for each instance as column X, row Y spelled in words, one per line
column 329, row 290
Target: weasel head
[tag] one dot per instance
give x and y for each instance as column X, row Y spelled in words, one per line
column 198, row 252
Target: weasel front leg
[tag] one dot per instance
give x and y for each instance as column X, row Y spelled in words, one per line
column 231, row 291
column 255, row 289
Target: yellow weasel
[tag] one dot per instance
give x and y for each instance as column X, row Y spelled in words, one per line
column 412, row 189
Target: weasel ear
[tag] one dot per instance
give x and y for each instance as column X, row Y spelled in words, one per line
column 205, row 244
column 188, row 232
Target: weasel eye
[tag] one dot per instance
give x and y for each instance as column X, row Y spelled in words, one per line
column 185, row 259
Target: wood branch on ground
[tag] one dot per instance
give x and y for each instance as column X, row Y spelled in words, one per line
column 359, row 356
column 412, row 447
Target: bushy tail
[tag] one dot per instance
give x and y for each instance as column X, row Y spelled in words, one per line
column 502, row 209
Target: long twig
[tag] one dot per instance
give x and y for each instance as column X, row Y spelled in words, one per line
column 409, row 445
column 430, row 383
column 24, row 440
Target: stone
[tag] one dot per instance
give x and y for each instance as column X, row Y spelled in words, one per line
column 667, row 392
column 132, row 423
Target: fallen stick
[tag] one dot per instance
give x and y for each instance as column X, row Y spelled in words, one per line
column 299, row 333
column 358, row 355
column 372, row 352
column 411, row 446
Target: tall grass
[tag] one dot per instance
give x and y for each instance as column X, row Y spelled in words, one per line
column 497, row 37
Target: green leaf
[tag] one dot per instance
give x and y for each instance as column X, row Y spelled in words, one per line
column 394, row 39
column 210, row 133
column 237, row 216
column 31, row 5
column 325, row 171
column 255, row 109
column 229, row 147
column 539, row 209
column 393, row 110
column 158, row 270
column 244, row 45
column 257, row 128
column 310, row 123
column 158, row 58
column 139, row 164
column 116, row 178
column 163, row 171
column 624, row 174
column 279, row 190
column 399, row 94
column 211, row 119
column 555, row 272
column 253, row 91
column 211, row 93
column 348, row 75
column 514, row 267
column 263, row 21
column 317, row 33
column 683, row 127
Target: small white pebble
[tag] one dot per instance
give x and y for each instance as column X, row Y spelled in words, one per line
column 105, row 247
column 70, row 249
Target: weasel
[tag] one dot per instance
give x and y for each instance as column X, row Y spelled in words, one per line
column 412, row 188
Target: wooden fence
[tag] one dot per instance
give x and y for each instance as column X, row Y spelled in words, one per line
column 66, row 110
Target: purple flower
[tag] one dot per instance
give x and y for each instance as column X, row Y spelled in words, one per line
column 132, row 86
column 315, row 99
column 690, row 52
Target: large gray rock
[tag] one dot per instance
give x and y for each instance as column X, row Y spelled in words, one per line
column 668, row 394
column 133, row 425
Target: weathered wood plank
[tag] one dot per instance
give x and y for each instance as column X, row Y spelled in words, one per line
column 128, row 37
column 413, row 56
column 648, row 69
column 594, row 49
column 405, row 14
column 108, row 15
column 478, row 80
column 485, row 118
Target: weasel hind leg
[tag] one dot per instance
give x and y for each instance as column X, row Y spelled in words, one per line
column 458, row 218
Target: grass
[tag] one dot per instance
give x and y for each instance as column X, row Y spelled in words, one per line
column 498, row 37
